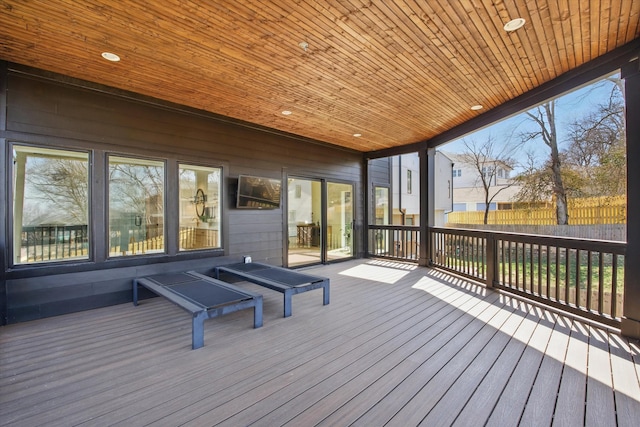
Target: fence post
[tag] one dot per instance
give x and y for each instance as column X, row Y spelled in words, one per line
column 492, row 264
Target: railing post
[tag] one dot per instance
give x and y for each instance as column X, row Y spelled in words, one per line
column 492, row 262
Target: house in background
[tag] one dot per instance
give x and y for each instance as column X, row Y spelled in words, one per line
column 405, row 176
column 468, row 192
column 457, row 187
column 404, row 180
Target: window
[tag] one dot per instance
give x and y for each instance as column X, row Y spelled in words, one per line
column 457, row 173
column 50, row 205
column 381, row 205
column 481, row 206
column 136, row 206
column 409, row 183
column 200, row 189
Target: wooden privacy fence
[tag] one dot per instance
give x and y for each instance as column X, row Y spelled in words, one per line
column 581, row 212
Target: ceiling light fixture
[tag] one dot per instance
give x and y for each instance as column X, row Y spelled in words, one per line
column 514, row 24
column 357, row 135
column 476, row 107
column 286, row 113
column 110, row 56
column 304, row 46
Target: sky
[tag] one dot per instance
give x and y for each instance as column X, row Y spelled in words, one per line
column 569, row 108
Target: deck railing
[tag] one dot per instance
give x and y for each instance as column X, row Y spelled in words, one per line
column 581, row 276
column 394, row 241
column 577, row 275
column 60, row 242
column 53, row 242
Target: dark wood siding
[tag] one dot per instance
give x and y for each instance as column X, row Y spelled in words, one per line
column 72, row 114
column 380, row 171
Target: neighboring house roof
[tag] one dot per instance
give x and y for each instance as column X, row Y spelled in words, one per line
column 460, row 159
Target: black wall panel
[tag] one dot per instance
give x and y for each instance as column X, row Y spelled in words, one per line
column 62, row 112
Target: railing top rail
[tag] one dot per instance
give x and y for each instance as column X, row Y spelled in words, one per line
column 33, row 227
column 394, row 227
column 609, row 246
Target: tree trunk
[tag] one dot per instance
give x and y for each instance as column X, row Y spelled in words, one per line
column 486, row 205
column 562, row 214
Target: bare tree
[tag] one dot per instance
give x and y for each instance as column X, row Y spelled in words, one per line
column 63, row 184
column 133, row 186
column 488, row 158
column 597, row 146
column 536, row 181
column 544, row 116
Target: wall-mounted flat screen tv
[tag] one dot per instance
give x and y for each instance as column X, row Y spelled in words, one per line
column 256, row 192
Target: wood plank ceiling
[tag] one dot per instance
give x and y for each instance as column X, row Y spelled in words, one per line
column 396, row 72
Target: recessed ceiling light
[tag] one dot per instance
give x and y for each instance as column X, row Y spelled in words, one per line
column 514, row 24
column 110, row 56
column 476, row 107
column 357, row 135
column 286, row 112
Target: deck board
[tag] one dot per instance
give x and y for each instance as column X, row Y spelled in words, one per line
column 600, row 406
column 486, row 395
column 513, row 397
column 397, row 344
column 571, row 395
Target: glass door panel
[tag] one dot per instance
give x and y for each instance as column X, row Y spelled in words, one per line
column 379, row 243
column 339, row 230
column 304, row 221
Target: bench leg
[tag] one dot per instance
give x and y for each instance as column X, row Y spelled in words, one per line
column 197, row 330
column 325, row 294
column 287, row 303
column 257, row 312
column 135, row 292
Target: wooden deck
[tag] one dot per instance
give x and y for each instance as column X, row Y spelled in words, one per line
column 398, row 345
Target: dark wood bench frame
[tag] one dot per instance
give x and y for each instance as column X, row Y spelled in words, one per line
column 287, row 290
column 201, row 312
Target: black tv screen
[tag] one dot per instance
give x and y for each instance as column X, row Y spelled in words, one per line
column 255, row 192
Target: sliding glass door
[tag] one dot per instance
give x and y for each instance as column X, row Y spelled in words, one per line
column 304, row 201
column 320, row 221
column 339, row 230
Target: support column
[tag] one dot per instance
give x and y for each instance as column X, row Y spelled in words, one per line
column 631, row 309
column 5, row 179
column 427, row 200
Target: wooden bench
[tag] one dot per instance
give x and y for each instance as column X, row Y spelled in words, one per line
column 279, row 279
column 202, row 296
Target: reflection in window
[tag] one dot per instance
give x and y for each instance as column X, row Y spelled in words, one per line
column 381, row 206
column 50, row 204
column 199, row 207
column 136, row 206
